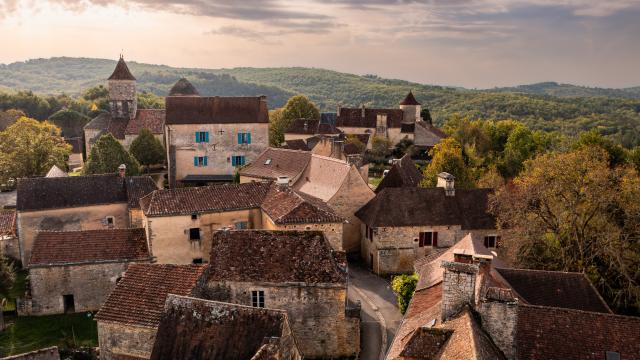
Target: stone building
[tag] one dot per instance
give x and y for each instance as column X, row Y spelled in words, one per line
column 293, row 271
column 180, row 222
column 339, row 184
column 401, row 225
column 193, row 329
column 9, row 245
column 128, row 321
column 78, row 203
column 209, row 138
column 75, row 271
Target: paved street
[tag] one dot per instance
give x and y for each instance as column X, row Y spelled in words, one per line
column 379, row 310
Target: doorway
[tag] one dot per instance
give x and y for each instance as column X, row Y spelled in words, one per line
column 69, row 304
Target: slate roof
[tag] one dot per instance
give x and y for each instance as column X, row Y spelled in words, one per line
column 428, row 207
column 140, row 296
column 88, row 246
column 137, row 188
column 183, row 88
column 297, row 144
column 215, row 110
column 328, row 118
column 429, row 127
column 7, row 223
column 352, row 117
column 410, row 100
column 108, row 124
column 76, row 191
column 403, row 173
column 555, row 289
column 152, row 119
column 311, row 127
column 274, row 256
column 287, row 206
column 200, row 329
column 121, row 72
column 274, row 162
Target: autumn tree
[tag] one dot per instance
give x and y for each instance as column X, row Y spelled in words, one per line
column 447, row 156
column 30, row 148
column 9, row 117
column 404, row 286
column 297, row 107
column 573, row 212
column 106, row 155
column 147, row 149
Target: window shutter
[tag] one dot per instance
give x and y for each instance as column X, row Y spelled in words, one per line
column 205, row 160
column 195, row 161
column 486, row 242
column 239, row 138
column 206, row 136
column 248, row 138
column 197, row 136
column 242, row 160
column 434, row 239
column 421, row 239
column 233, row 161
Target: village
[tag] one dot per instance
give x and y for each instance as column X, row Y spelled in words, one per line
column 234, row 248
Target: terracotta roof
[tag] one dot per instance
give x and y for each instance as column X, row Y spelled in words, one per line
column 410, row 100
column 297, row 144
column 137, row 188
column 121, row 72
column 75, row 191
column 274, row 162
column 428, row 206
column 108, row 124
column 56, row 172
column 311, row 127
column 88, row 246
column 287, row 206
column 274, row 256
column 151, row 119
column 215, row 110
column 140, row 296
column 555, row 333
column 215, row 198
column 404, row 173
column 200, row 329
column 555, row 289
column 323, row 177
column 352, row 117
column 7, row 223
column 183, row 88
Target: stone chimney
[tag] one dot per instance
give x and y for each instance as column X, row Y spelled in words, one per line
column 447, row 181
column 339, row 109
column 363, row 111
column 122, row 170
column 463, row 256
column 498, row 310
column 337, row 148
column 458, row 287
column 283, row 181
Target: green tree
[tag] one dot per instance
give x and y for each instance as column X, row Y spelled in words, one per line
column 380, row 149
column 276, row 128
column 617, row 154
column 148, row 100
column 30, row 148
column 147, row 149
column 106, row 155
column 297, row 107
column 447, row 156
column 404, row 146
column 353, row 140
column 70, row 122
column 404, row 286
column 634, row 158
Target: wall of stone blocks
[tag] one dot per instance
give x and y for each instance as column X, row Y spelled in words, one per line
column 499, row 320
column 458, row 288
column 10, row 246
column 332, row 231
column 116, row 340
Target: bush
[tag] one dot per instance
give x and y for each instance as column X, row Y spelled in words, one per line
column 147, row 149
column 404, row 286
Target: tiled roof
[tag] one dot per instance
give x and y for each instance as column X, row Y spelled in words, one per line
column 215, row 198
column 323, row 177
column 140, row 296
column 137, row 188
column 407, row 128
column 555, row 289
column 429, row 127
column 297, row 144
column 274, row 256
column 274, row 162
column 352, row 117
column 555, row 333
column 7, row 223
column 215, row 110
column 183, row 88
column 200, row 329
column 287, row 206
column 151, row 119
column 88, row 246
column 404, row 173
column 428, row 207
column 410, row 99
column 311, row 127
column 108, row 124
column 121, row 72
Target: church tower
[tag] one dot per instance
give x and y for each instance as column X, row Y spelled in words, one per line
column 123, row 102
column 411, row 109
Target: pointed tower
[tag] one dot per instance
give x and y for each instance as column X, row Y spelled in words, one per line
column 123, row 102
column 411, row 108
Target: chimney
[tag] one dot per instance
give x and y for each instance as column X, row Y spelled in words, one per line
column 122, row 170
column 282, row 181
column 498, row 311
column 462, row 256
column 447, row 181
column 306, row 125
column 459, row 287
column 363, row 112
column 339, row 108
column 337, row 148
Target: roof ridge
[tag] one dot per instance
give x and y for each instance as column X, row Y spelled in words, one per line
column 329, row 158
column 543, row 271
column 596, row 313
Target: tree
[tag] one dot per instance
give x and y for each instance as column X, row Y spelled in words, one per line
column 7, row 279
column 353, row 140
column 297, row 107
column 404, row 146
column 380, row 149
column 404, row 286
column 147, row 149
column 617, row 154
column 9, row 117
column 573, row 212
column 276, row 128
column 148, row 100
column 447, row 156
column 70, row 122
column 106, row 155
column 30, row 148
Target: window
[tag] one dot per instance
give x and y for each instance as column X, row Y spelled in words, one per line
column 369, row 233
column 194, row 234
column 244, row 138
column 202, row 136
column 491, row 241
column 241, row 225
column 381, row 129
column 238, row 160
column 257, row 298
column 200, row 161
column 194, row 216
column 428, row 238
column 267, row 162
column 197, row 261
column 110, row 221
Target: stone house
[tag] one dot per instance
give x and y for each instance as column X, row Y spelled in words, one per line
column 128, row 321
column 293, row 271
column 467, row 306
column 78, row 203
column 75, row 271
column 401, row 225
column 193, row 329
column 180, row 222
column 9, row 245
column 339, row 184
column 209, row 138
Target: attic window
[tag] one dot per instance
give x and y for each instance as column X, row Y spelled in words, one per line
column 110, row 221
column 194, row 216
column 267, row 162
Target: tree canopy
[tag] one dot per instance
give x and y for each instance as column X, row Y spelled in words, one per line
column 106, row 155
column 297, row 107
column 147, row 149
column 447, row 157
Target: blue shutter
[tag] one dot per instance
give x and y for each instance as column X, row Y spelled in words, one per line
column 205, row 160
column 242, row 160
column 206, row 136
column 239, row 138
column 233, row 161
column 248, row 138
column 197, row 137
column 195, row 161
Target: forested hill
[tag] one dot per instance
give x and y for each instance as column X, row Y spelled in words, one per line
column 548, row 106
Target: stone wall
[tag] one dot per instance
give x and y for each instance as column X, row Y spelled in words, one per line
column 316, row 313
column 116, row 340
column 90, row 285
column 123, row 100
column 458, row 287
column 90, row 137
column 50, row 353
column 10, row 246
column 333, row 232
column 77, row 218
column 499, row 320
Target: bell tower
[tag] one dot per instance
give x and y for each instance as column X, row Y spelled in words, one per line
column 411, row 108
column 123, row 102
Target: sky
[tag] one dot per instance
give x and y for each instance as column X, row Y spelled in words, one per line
column 470, row 43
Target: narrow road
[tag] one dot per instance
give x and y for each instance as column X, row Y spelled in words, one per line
column 380, row 314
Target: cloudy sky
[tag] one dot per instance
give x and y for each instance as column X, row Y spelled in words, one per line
column 471, row 43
